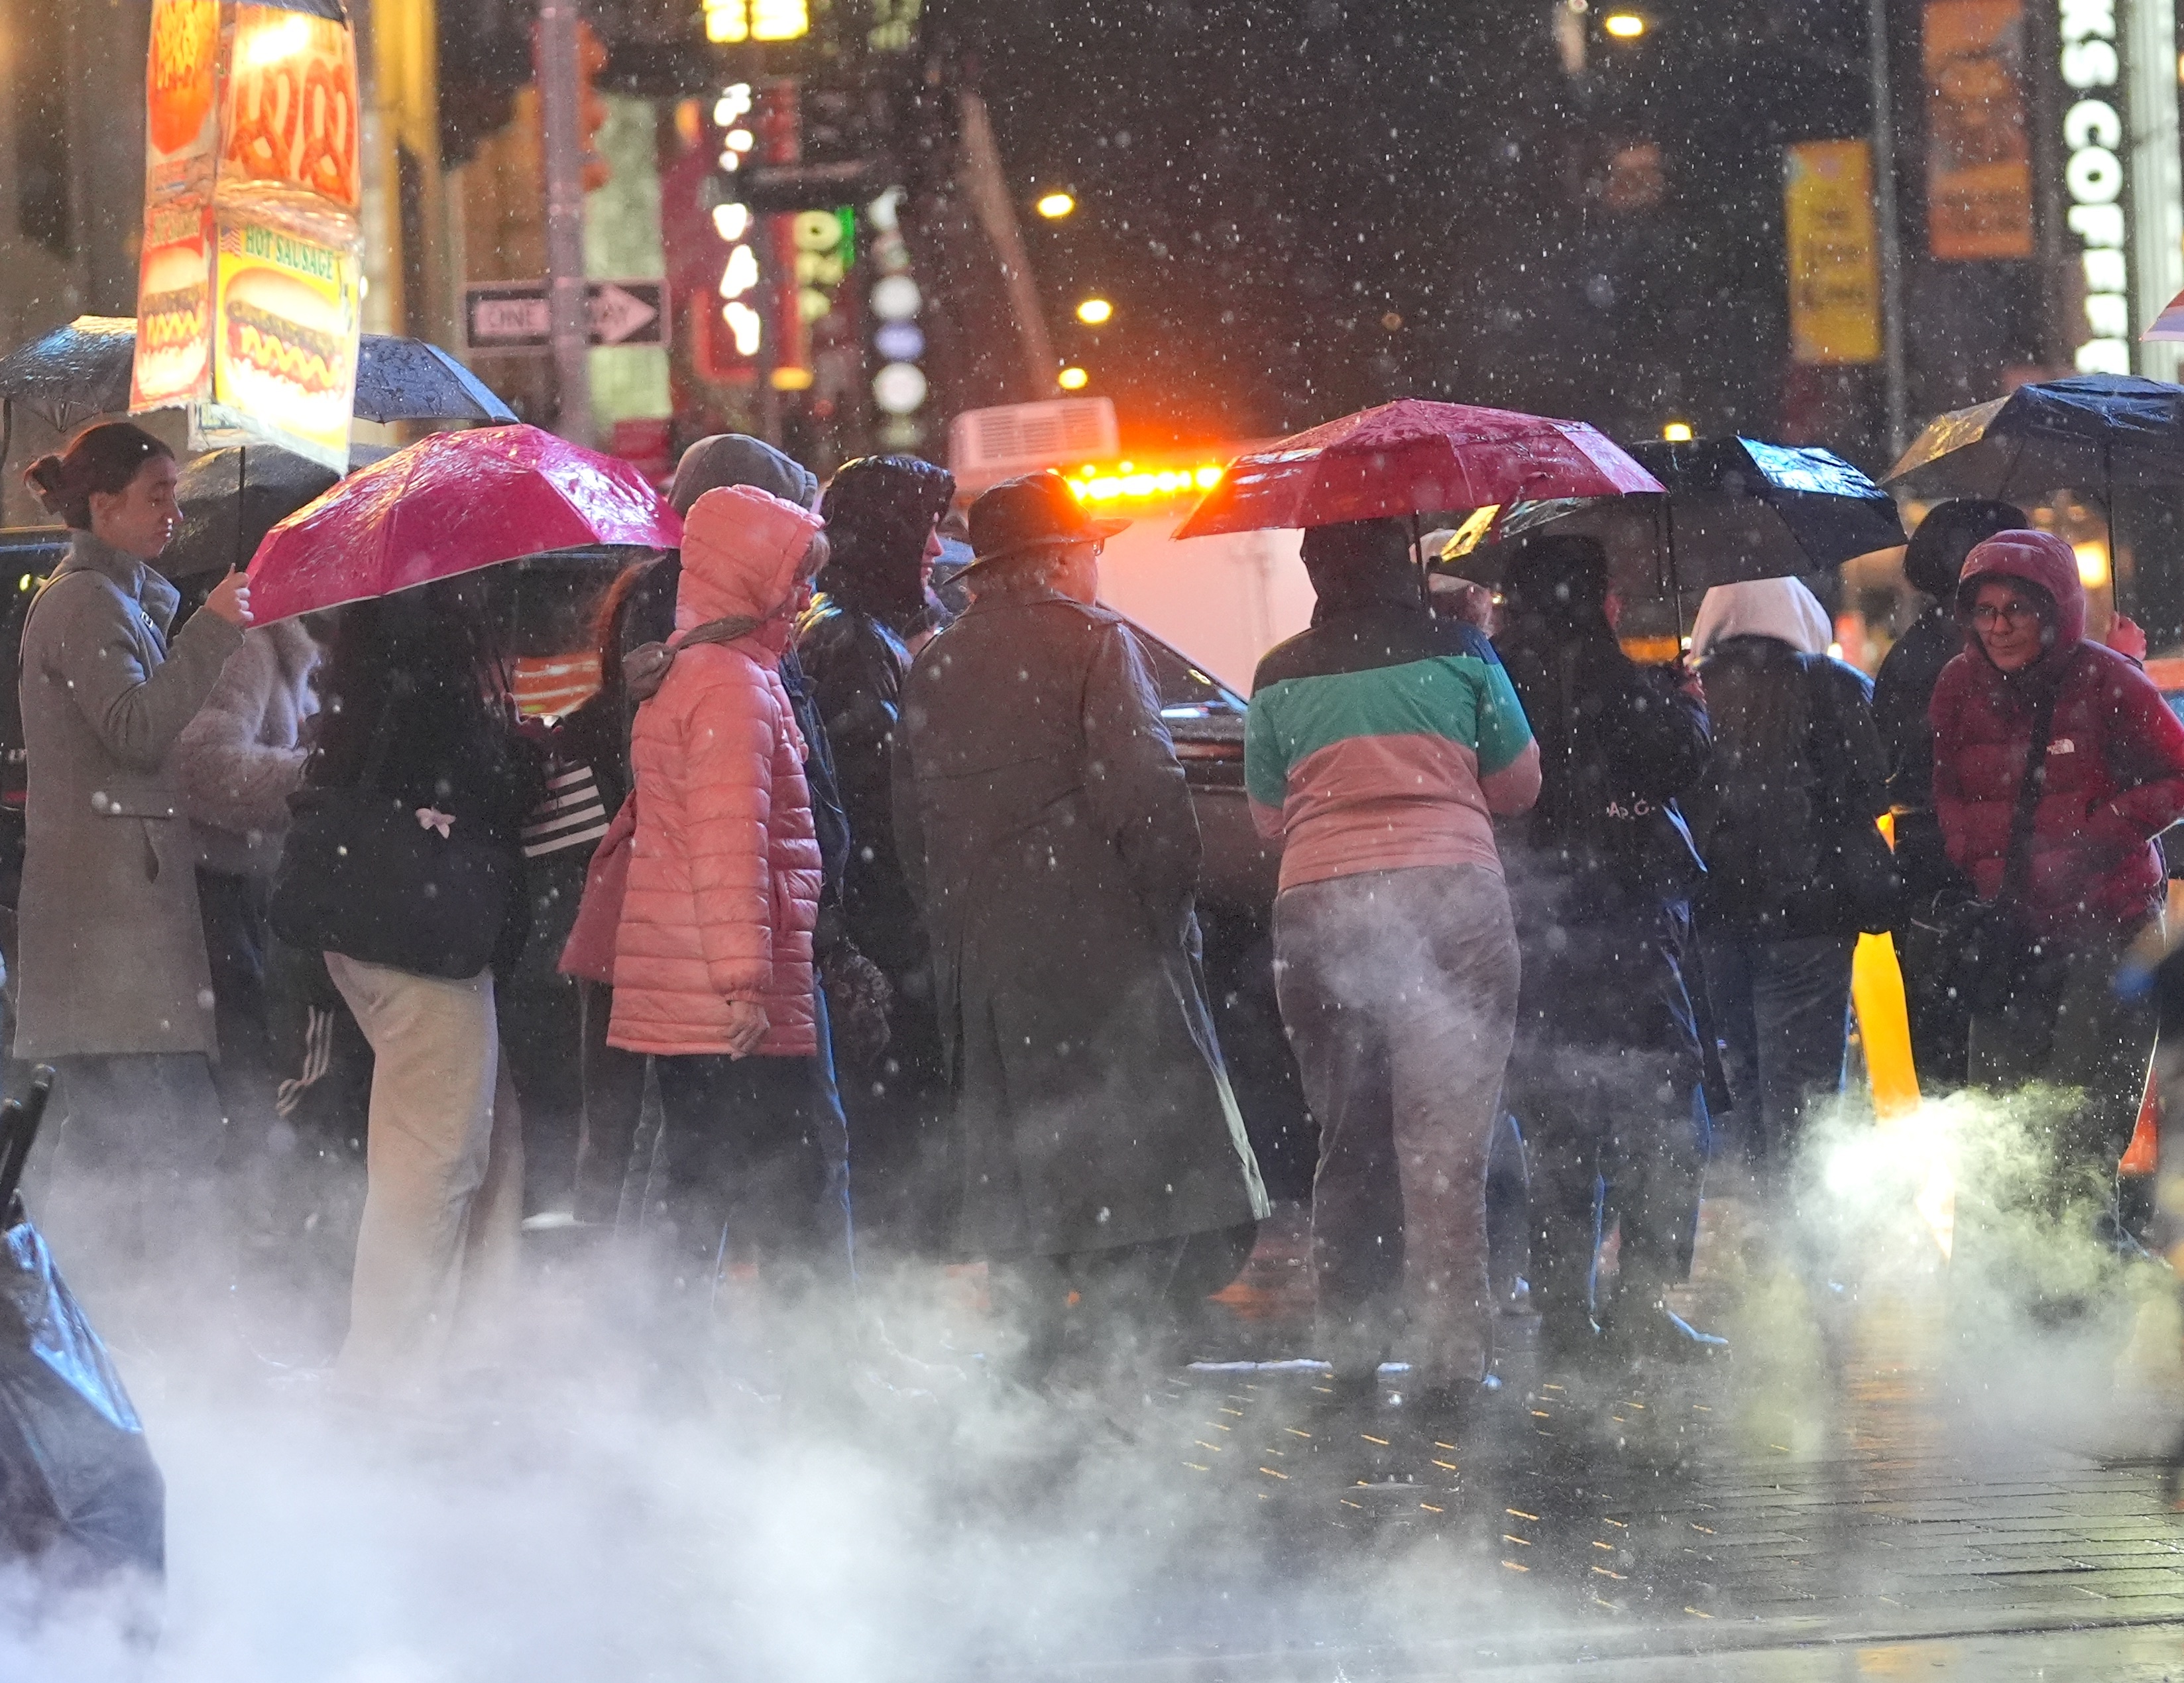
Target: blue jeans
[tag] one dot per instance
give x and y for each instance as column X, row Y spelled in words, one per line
column 1782, row 1008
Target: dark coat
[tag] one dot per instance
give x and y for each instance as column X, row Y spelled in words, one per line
column 1599, row 872
column 1786, row 815
column 1048, row 832
column 1902, row 690
column 857, row 667
column 1619, row 744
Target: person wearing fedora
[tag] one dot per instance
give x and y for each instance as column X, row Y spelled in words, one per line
column 1048, row 835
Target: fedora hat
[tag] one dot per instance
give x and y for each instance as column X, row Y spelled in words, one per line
column 1028, row 513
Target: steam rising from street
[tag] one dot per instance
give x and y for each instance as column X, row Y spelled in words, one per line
column 615, row 1505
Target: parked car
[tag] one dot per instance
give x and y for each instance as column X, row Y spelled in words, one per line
column 1235, row 907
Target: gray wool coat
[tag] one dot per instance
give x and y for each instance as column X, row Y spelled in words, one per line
column 1049, row 836
column 112, row 953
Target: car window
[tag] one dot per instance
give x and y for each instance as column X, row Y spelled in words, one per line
column 1186, row 691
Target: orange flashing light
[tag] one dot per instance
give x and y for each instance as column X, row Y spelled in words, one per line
column 1124, row 483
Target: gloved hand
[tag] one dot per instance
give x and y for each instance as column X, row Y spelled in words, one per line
column 858, row 996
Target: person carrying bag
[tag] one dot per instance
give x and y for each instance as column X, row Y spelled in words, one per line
column 404, row 868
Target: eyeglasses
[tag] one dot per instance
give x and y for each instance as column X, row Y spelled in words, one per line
column 1988, row 614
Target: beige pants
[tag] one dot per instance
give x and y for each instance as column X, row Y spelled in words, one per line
column 443, row 1205
column 1398, row 990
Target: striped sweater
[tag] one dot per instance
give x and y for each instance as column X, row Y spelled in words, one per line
column 1381, row 740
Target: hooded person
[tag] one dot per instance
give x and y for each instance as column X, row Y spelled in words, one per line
column 1047, row 832
column 855, row 644
column 2056, row 763
column 1795, row 865
column 640, row 614
column 1902, row 691
column 1380, row 744
column 713, row 973
column 1601, row 873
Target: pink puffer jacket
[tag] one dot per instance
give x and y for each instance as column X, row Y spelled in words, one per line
column 724, row 875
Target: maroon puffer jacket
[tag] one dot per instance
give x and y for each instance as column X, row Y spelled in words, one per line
column 2115, row 757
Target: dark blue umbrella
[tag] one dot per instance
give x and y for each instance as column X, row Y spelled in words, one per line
column 412, row 380
column 83, row 370
column 1737, row 508
column 2091, row 432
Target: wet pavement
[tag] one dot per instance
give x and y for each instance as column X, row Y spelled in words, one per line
column 1871, row 1490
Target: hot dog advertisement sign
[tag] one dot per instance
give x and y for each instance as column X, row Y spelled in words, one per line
column 249, row 306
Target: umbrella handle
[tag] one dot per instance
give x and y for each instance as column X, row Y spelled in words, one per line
column 1675, row 576
column 6, row 446
column 242, row 481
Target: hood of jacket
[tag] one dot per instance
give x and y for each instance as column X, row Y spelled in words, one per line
column 743, row 549
column 2041, row 559
column 1780, row 608
column 728, row 459
column 1360, row 565
column 880, row 512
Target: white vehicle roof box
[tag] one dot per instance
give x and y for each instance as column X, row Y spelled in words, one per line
column 988, row 445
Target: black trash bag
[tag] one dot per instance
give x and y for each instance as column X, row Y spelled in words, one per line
column 82, row 1500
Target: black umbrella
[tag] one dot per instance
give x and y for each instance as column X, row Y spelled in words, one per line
column 231, row 499
column 83, row 370
column 1737, row 508
column 74, row 373
column 2091, row 432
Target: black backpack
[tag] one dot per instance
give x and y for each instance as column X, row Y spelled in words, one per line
column 1785, row 853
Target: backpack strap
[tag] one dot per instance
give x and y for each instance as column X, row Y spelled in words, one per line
column 644, row 668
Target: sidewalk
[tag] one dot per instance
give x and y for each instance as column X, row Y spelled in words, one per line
column 1900, row 1508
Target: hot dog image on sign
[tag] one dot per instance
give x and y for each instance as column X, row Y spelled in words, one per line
column 174, row 310
column 284, row 354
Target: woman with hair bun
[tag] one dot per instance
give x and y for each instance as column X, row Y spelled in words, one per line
column 115, row 991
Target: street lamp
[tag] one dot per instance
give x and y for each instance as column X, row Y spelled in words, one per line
column 1054, row 206
column 1623, row 26
column 1095, row 312
column 1677, row 432
column 1073, row 379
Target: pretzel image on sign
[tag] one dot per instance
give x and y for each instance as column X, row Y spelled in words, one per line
column 289, row 116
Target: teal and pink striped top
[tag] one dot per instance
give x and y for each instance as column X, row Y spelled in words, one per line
column 1383, row 740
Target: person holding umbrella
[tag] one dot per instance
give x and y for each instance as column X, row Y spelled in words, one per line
column 115, row 989
column 404, row 862
column 1601, row 874
column 1380, row 744
column 418, row 718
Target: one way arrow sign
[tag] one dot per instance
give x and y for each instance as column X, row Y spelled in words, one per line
column 620, row 315
column 512, row 315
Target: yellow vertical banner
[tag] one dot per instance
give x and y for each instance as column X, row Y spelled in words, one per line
column 174, row 309
column 288, row 305
column 1979, row 148
column 1834, row 262
column 249, row 302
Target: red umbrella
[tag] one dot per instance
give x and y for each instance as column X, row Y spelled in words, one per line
column 1412, row 457
column 451, row 504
